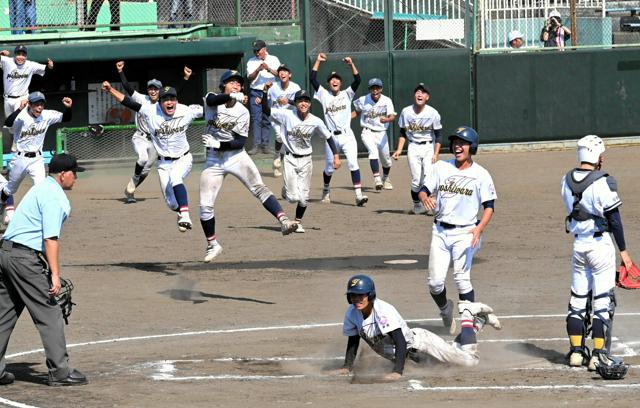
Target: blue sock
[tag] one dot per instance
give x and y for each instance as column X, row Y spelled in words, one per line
column 470, row 296
column 209, row 228
column 273, row 206
column 467, row 334
column 355, row 177
column 138, row 170
column 180, row 192
column 375, row 167
column 9, row 200
column 575, row 326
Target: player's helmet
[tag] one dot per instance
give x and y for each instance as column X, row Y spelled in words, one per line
column 229, row 75
column 590, row 148
column 361, row 284
column 467, row 134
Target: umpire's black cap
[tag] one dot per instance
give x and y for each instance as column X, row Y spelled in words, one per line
column 300, row 95
column 64, row 162
column 422, row 87
column 332, row 75
column 258, row 45
column 20, row 48
column 168, row 91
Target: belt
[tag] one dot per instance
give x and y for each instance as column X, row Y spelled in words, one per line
column 297, row 156
column 446, row 225
column 337, row 132
column 30, row 154
column 420, row 143
column 14, row 97
column 6, row 244
column 596, row 234
column 173, row 158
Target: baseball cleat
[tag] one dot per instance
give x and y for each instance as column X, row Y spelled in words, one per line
column 418, row 208
column 326, row 198
column 277, row 162
column 299, row 230
column 128, row 192
column 387, row 184
column 578, row 359
column 7, row 378
column 475, row 308
column 592, row 363
column 361, row 201
column 447, row 317
column 288, row 226
column 277, row 173
column 378, row 183
column 213, row 250
column 184, row 222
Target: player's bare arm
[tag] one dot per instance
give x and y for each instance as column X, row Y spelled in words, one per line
column 4, row 53
column 349, row 62
column 319, row 60
column 51, row 251
column 67, row 102
column 401, row 141
column 117, row 95
column 49, row 63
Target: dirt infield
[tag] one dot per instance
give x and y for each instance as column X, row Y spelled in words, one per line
column 156, row 327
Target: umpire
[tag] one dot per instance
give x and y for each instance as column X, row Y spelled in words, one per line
column 30, row 272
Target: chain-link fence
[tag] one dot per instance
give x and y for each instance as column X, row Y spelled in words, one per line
column 42, row 16
column 114, row 144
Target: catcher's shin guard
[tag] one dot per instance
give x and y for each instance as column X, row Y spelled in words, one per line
column 605, row 315
column 578, row 328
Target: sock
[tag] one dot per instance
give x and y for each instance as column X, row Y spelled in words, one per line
column 209, row 229
column 467, row 333
column 300, row 212
column 470, row 296
column 414, row 197
column 180, row 192
column 440, row 298
column 375, row 167
column 9, row 205
column 357, row 185
column 278, row 146
column 574, row 330
column 385, row 172
column 141, row 178
column 273, row 206
column 138, row 170
column 597, row 328
column 4, row 196
column 327, row 180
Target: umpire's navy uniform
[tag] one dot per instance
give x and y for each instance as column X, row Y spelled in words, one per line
column 25, row 278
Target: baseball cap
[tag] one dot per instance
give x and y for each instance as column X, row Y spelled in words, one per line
column 36, row 97
column 258, row 45
column 284, row 67
column 422, row 87
column 301, row 94
column 231, row 74
column 332, row 75
column 20, row 48
column 155, row 83
column 554, row 13
column 375, row 82
column 515, row 34
column 64, row 162
column 168, row 91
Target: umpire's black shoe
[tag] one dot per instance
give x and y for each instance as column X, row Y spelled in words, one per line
column 74, row 377
column 7, row 378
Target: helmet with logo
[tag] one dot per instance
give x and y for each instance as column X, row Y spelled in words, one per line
column 590, row 148
column 361, row 285
column 467, row 134
column 229, row 75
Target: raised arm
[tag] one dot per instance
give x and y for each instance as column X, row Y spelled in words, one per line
column 356, row 76
column 66, row 114
column 120, row 97
column 125, row 83
column 314, row 71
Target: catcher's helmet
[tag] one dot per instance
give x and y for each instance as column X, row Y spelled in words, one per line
column 229, row 75
column 361, row 284
column 467, row 134
column 590, row 148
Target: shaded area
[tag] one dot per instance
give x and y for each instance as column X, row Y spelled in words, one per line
column 196, row 296
column 24, row 372
column 532, row 350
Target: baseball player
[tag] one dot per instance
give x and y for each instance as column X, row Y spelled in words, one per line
column 420, row 124
column 280, row 95
column 298, row 127
column 461, row 186
column 30, row 128
column 261, row 68
column 336, row 105
column 227, row 129
column 591, row 199
column 376, row 112
column 167, row 123
column 380, row 325
column 17, row 77
column 141, row 140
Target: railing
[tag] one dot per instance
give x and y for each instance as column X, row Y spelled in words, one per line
column 449, row 8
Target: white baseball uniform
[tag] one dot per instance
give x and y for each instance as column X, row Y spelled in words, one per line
column 337, row 116
column 141, row 139
column 375, row 331
column 16, row 79
column 374, row 132
column 169, row 137
column 276, row 92
column 296, row 139
column 29, row 133
column 223, row 123
column 460, row 193
column 594, row 253
column 421, row 137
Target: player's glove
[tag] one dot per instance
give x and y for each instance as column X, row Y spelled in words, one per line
column 63, row 298
column 628, row 279
column 210, row 141
column 238, row 96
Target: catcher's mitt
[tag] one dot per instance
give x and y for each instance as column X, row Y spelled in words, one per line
column 628, row 279
column 64, row 298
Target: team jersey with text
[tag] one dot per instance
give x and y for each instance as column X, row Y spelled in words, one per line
column 375, row 329
column 30, row 132
column 420, row 126
column 336, row 108
column 223, row 122
column 169, row 133
column 598, row 198
column 298, row 133
column 263, row 76
column 460, row 193
column 142, row 100
column 16, row 78
column 371, row 111
column 276, row 92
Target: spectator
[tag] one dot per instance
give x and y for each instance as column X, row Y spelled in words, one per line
column 516, row 39
column 554, row 34
column 261, row 68
column 181, row 10
column 114, row 8
column 22, row 16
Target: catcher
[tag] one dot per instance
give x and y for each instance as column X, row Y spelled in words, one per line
column 30, row 270
column 380, row 325
column 591, row 199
